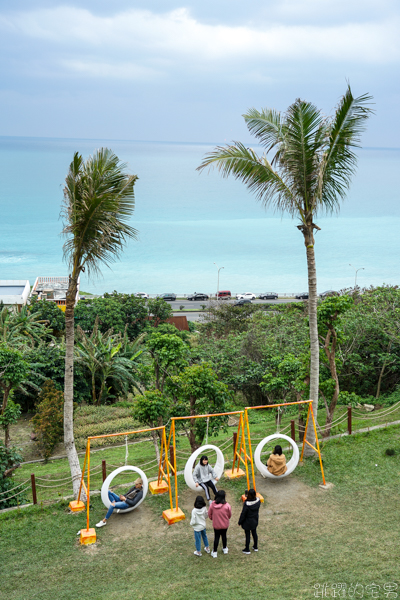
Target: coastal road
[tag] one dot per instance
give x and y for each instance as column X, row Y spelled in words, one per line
column 199, row 304
column 196, row 316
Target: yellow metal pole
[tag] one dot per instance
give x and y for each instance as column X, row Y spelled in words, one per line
column 305, row 433
column 245, row 457
column 246, row 416
column 83, row 472
column 175, row 467
column 319, row 451
column 167, row 466
column 88, row 487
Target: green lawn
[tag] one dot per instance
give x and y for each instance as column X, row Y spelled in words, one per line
column 349, row 534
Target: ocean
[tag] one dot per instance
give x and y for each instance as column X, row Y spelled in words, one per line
column 188, row 221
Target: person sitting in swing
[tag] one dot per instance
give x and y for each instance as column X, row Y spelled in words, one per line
column 130, row 499
column 276, row 464
column 203, row 476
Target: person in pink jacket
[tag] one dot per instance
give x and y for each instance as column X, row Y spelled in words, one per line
column 220, row 512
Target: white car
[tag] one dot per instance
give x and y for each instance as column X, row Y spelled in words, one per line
column 141, row 295
column 246, row 296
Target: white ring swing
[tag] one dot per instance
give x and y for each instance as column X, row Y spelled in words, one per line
column 107, row 483
column 291, row 465
column 219, row 465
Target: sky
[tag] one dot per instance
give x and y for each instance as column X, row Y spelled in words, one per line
column 179, row 70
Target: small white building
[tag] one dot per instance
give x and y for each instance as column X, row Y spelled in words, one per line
column 53, row 289
column 14, row 292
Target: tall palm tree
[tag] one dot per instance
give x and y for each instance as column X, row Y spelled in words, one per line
column 310, row 172
column 98, row 203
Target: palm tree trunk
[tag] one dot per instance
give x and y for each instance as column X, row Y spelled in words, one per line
column 313, row 329
column 69, row 441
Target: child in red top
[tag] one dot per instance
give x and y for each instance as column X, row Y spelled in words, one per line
column 220, row 512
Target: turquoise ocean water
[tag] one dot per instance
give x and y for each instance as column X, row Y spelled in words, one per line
column 187, row 221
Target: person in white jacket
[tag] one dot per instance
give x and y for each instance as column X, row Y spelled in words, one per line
column 203, row 476
column 198, row 522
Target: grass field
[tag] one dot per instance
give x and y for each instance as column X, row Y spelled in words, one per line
column 349, row 534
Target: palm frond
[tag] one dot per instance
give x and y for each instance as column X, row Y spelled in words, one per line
column 267, row 126
column 98, row 204
column 339, row 161
column 299, row 159
column 257, row 173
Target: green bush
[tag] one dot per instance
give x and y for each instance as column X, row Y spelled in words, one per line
column 48, row 421
column 9, row 461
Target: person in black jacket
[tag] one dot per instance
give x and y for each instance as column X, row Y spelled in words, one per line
column 249, row 520
column 129, row 500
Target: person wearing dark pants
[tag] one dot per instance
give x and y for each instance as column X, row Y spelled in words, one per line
column 220, row 512
column 203, row 476
column 220, row 533
column 249, row 520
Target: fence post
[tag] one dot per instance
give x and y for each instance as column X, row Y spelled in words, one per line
column 349, row 419
column 104, row 469
column 33, row 484
column 292, row 431
column 171, row 456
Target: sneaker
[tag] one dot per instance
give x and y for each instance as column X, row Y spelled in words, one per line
column 255, row 549
column 207, row 550
column 117, row 511
column 210, row 502
column 214, row 554
column 225, row 550
column 101, row 523
column 246, row 551
column 197, row 553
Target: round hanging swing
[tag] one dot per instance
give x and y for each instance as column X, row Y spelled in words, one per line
column 107, row 484
column 291, row 465
column 218, row 468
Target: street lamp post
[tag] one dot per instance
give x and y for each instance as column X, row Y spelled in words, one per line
column 356, row 270
column 218, row 279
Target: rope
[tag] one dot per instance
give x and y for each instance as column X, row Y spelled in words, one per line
column 12, row 489
column 126, row 450
column 17, row 494
column 40, row 485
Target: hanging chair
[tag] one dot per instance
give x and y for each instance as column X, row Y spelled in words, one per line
column 107, row 484
column 291, row 465
column 218, row 468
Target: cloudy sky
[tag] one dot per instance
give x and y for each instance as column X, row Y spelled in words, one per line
column 186, row 70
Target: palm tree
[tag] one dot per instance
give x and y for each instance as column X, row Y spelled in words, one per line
column 98, row 203
column 310, row 172
column 20, row 327
column 109, row 359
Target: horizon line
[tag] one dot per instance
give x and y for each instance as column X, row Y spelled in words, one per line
column 33, row 137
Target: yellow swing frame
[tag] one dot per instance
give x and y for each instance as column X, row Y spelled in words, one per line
column 161, row 486
column 305, row 441
column 240, row 455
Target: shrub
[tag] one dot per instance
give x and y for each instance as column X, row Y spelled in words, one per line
column 48, row 421
column 9, row 461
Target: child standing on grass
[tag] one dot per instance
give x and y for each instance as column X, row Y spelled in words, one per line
column 249, row 520
column 220, row 512
column 198, row 522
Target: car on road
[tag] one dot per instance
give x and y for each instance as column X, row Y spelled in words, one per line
column 242, row 302
column 328, row 293
column 224, row 295
column 171, row 297
column 246, row 295
column 141, row 295
column 268, row 296
column 302, row 296
column 198, row 296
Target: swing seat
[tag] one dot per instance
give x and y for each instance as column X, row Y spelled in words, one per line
column 107, row 484
column 218, row 468
column 291, row 465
